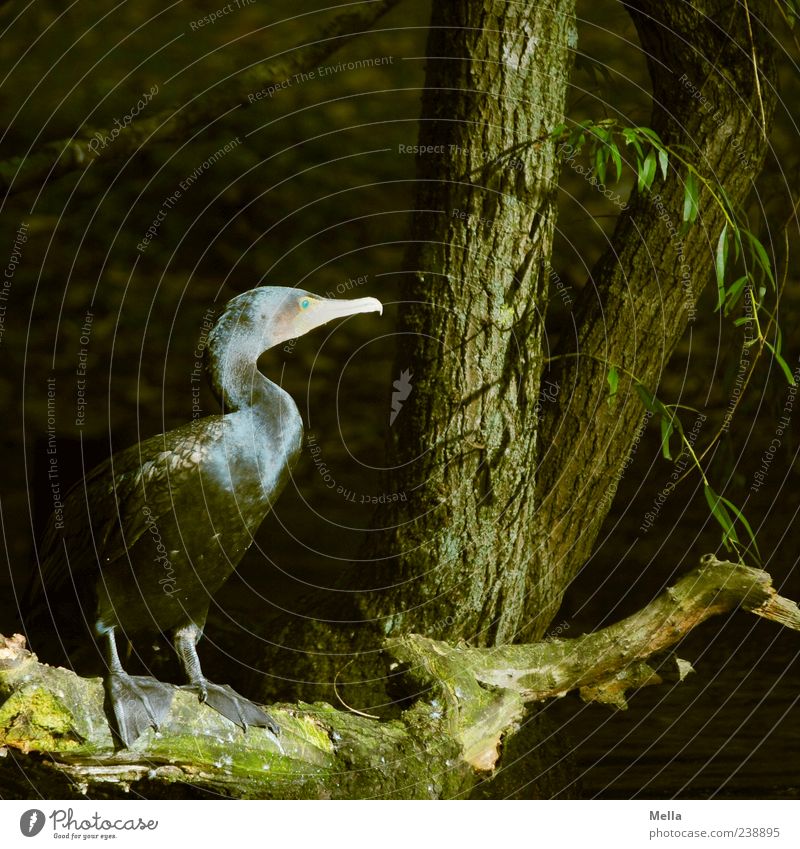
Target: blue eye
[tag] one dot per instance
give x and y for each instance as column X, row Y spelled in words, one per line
column 304, row 303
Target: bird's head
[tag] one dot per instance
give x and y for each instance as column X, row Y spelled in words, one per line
column 295, row 312
column 269, row 315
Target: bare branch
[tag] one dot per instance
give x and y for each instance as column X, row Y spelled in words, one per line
column 602, row 665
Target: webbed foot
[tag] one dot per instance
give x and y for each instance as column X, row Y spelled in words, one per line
column 239, row 710
column 137, row 703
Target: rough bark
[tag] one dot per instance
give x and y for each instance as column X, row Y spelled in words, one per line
column 466, row 702
column 464, row 452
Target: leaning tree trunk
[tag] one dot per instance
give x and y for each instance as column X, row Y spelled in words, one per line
column 640, row 304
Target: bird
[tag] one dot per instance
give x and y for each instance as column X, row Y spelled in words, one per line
column 148, row 537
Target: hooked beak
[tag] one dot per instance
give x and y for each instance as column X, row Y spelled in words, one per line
column 326, row 310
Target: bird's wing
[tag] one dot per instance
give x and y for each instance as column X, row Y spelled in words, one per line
column 146, row 480
column 107, row 511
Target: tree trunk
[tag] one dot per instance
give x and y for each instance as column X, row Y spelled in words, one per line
column 471, row 324
column 507, row 474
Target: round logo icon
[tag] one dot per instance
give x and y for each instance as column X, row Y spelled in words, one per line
column 31, row 822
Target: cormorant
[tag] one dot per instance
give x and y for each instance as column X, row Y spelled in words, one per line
column 152, row 533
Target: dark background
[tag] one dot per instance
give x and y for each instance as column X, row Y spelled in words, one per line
column 316, row 195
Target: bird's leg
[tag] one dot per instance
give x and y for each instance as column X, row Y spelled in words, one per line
column 223, row 698
column 137, row 702
column 185, row 641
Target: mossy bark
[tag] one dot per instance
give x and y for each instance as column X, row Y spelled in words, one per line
column 638, row 302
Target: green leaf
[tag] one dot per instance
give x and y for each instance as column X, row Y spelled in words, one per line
column 617, row 157
column 721, row 261
column 741, row 517
column 666, row 432
column 600, row 164
column 647, row 171
column 631, row 139
column 733, row 293
column 648, row 399
column 652, row 403
column 652, row 135
column 690, row 198
column 720, row 513
column 782, row 363
column 613, row 383
column 760, row 256
column 663, row 161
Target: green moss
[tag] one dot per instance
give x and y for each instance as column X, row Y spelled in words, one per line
column 37, row 720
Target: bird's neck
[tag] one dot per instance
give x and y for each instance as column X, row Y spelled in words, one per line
column 239, row 385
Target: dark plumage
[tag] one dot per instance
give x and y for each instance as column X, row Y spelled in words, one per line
column 153, row 532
